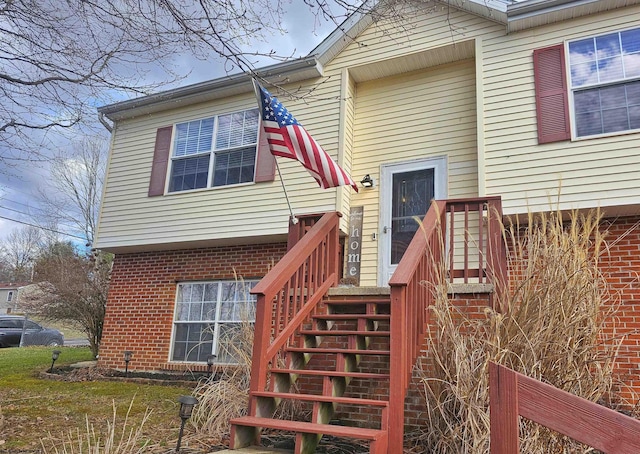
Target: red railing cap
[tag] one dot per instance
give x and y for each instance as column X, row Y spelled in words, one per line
column 280, row 273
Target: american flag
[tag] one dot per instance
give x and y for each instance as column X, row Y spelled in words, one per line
column 289, row 139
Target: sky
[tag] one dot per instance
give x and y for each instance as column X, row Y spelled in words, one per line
column 19, row 186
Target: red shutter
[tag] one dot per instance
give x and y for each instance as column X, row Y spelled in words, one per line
column 160, row 161
column 265, row 162
column 552, row 101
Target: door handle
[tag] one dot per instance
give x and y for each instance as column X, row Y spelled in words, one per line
column 386, row 229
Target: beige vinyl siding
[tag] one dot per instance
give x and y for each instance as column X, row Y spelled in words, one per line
column 227, row 214
column 424, row 27
column 582, row 173
column 419, row 115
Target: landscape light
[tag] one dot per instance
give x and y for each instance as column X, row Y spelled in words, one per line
column 127, row 358
column 211, row 359
column 54, row 356
column 186, row 408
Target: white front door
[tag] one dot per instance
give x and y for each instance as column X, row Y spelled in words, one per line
column 406, row 191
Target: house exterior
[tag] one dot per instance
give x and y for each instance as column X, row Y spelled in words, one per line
column 9, row 293
column 537, row 102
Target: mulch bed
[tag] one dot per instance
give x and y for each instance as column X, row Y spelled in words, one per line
column 70, row 374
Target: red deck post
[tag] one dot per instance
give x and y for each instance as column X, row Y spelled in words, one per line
column 503, row 401
column 397, row 367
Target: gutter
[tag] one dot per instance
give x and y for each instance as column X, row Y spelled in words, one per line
column 281, row 73
column 521, row 10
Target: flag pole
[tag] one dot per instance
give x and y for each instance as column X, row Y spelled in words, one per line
column 294, row 220
column 286, row 196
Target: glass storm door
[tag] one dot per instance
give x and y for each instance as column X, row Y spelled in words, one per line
column 407, row 191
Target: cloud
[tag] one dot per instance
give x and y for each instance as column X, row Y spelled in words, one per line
column 18, row 186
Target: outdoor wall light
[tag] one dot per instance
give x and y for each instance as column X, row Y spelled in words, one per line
column 127, row 357
column 211, row 359
column 186, row 408
column 54, row 356
column 367, row 181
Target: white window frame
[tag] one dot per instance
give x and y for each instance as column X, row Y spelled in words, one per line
column 10, row 296
column 217, row 322
column 211, row 152
column 572, row 90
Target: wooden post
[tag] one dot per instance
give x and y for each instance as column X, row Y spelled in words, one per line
column 261, row 338
column 503, row 401
column 398, row 364
column 497, row 260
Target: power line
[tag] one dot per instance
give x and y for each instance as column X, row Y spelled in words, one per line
column 43, row 228
column 21, row 203
column 17, row 211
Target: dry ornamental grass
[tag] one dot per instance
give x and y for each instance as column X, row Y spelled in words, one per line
column 556, row 325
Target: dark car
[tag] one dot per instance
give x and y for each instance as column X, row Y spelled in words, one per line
column 15, row 327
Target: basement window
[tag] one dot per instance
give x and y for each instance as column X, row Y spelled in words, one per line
column 212, row 318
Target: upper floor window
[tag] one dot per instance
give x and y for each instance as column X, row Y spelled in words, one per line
column 216, row 151
column 605, row 83
column 9, row 297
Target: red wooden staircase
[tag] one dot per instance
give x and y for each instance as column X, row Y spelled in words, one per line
column 311, row 344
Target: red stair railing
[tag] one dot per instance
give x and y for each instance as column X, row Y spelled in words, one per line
column 289, row 294
column 512, row 395
column 412, row 285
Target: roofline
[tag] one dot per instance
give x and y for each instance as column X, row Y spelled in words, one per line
column 535, row 7
column 357, row 21
column 533, row 13
column 289, row 71
column 501, row 11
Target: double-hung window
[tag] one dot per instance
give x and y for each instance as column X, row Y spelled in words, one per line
column 605, row 83
column 210, row 318
column 215, row 151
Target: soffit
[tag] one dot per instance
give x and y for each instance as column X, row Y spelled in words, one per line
column 412, row 62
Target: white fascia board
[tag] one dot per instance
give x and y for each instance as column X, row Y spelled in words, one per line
column 533, row 13
column 281, row 73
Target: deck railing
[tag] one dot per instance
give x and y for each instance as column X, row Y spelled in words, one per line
column 289, row 294
column 513, row 395
column 468, row 232
column 476, row 252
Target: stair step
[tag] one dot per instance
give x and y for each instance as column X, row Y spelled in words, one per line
column 310, row 428
column 318, row 398
column 335, row 332
column 350, row 301
column 348, row 351
column 352, row 316
column 329, row 373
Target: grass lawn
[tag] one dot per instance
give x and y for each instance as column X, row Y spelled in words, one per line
column 32, row 407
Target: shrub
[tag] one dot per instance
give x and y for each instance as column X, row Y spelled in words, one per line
column 556, row 325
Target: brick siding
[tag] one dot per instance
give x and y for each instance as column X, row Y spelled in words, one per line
column 621, row 267
column 142, row 294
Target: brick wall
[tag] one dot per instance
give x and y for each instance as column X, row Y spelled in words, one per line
column 142, row 295
column 620, row 265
